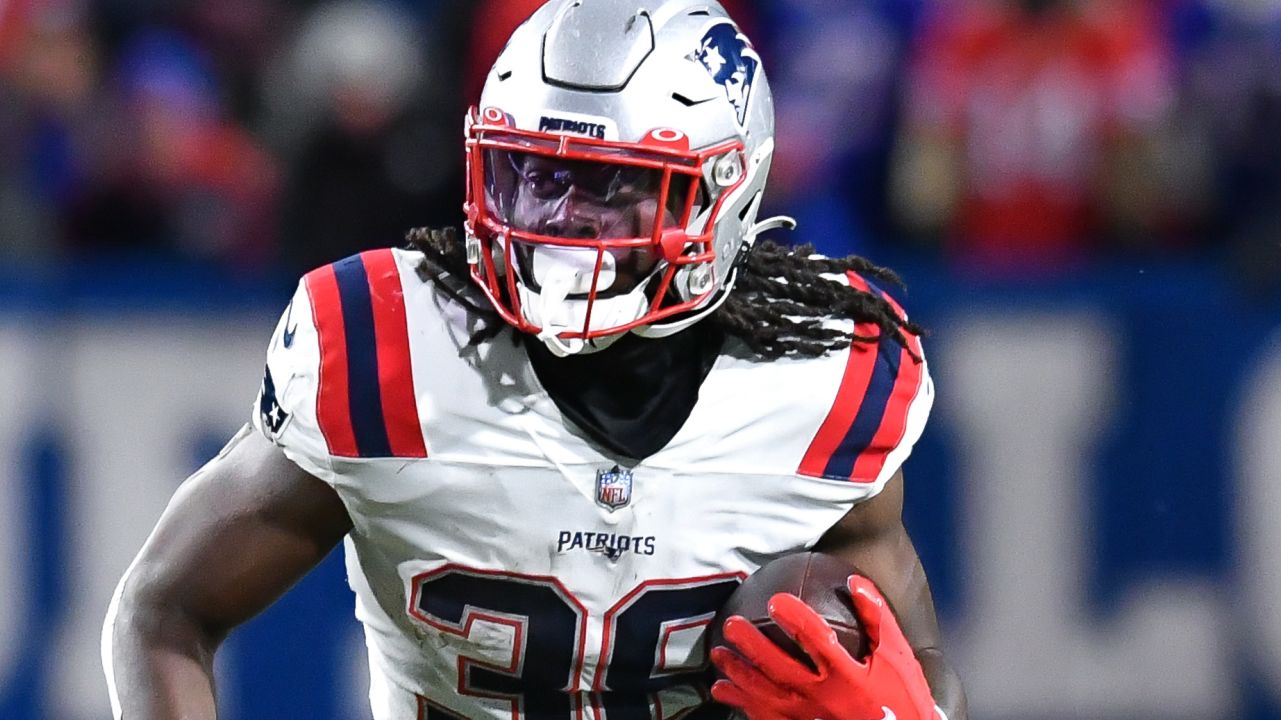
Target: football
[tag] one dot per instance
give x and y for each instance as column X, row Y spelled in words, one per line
column 817, row 579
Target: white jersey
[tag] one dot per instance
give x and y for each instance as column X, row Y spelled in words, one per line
column 504, row 565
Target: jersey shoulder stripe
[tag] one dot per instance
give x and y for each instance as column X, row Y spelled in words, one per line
column 365, row 404
column 908, row 376
column 869, row 415
column 333, row 412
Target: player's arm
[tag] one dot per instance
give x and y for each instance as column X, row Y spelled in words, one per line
column 872, row 538
column 904, row 675
column 235, row 537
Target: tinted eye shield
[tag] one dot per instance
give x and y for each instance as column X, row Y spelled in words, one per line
column 520, row 182
column 599, row 218
column 602, row 183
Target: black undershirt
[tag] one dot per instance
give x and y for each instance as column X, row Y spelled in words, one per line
column 634, row 396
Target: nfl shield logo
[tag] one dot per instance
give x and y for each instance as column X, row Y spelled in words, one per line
column 613, row 487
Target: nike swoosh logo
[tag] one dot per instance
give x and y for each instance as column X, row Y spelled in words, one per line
column 889, row 714
column 288, row 337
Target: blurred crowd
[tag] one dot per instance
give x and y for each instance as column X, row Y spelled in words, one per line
column 1004, row 136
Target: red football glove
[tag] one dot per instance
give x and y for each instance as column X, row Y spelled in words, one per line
column 767, row 684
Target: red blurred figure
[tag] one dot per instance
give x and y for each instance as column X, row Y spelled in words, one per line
column 170, row 173
column 1026, row 128
column 13, row 26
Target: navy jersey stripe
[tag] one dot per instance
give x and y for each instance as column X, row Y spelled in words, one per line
column 363, row 387
column 870, row 411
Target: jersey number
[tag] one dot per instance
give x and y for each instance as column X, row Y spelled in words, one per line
column 538, row 629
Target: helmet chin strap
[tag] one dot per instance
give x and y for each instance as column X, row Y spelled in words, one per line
column 778, row 222
column 565, row 348
column 662, row 330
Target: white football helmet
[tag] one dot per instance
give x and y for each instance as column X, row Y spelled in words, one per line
column 616, row 165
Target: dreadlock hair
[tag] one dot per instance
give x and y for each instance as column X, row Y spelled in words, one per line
column 780, row 305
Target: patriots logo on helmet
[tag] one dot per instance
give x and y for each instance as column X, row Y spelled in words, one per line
column 732, row 62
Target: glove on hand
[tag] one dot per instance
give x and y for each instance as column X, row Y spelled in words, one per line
column 767, row 684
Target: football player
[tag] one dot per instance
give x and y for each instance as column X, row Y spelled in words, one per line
column 553, row 446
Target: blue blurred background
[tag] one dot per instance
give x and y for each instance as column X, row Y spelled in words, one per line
column 1084, row 197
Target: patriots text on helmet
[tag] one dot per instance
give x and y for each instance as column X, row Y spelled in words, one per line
column 577, row 127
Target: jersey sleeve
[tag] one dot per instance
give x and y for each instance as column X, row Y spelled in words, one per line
column 338, row 389
column 879, row 412
column 285, row 410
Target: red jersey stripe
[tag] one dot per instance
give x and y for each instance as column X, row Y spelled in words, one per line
column 849, row 396
column 333, row 403
column 395, row 372
column 858, row 374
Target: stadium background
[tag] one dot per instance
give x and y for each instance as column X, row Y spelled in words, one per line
column 1084, row 198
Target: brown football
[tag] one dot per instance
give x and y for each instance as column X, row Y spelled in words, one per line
column 817, row 579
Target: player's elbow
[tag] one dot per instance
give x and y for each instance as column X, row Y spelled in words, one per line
column 149, row 610
column 154, row 650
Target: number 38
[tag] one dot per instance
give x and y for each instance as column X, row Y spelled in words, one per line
column 549, row 627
